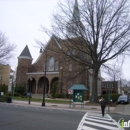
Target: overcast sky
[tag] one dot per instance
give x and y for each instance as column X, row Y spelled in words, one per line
column 21, row 20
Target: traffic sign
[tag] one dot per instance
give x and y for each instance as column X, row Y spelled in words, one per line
column 70, row 91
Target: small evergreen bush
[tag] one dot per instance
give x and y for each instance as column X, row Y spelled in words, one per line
column 114, row 97
column 53, row 90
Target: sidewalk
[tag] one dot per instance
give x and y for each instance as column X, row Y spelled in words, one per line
column 119, row 109
column 77, row 107
column 122, row 109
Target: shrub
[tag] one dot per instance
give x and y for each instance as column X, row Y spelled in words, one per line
column 61, row 95
column 20, row 89
column 2, row 99
column 4, row 88
column 7, row 99
column 114, row 97
column 16, row 94
column 8, row 94
column 54, row 89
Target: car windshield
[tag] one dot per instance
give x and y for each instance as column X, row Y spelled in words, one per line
column 122, row 97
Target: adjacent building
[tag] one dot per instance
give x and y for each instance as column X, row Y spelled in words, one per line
column 110, row 86
column 4, row 74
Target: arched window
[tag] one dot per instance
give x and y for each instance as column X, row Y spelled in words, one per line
column 51, row 64
column 56, row 66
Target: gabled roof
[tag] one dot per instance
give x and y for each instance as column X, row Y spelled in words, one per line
column 79, row 87
column 25, row 54
column 58, row 41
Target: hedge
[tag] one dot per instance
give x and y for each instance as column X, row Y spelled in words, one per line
column 114, row 97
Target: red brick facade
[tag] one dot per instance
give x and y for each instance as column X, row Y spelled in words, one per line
column 110, row 86
column 64, row 71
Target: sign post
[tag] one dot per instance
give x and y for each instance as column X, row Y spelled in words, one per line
column 70, row 92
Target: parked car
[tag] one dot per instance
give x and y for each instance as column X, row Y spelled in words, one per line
column 123, row 99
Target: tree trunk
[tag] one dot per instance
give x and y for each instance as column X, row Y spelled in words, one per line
column 94, row 97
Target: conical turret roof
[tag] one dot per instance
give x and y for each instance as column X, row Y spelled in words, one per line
column 25, row 54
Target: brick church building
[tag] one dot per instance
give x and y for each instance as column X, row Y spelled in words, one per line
column 54, row 69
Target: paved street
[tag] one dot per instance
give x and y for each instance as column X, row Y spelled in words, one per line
column 16, row 117
column 117, row 117
column 21, row 115
column 95, row 121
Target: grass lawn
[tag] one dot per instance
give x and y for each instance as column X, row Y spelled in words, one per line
column 59, row 101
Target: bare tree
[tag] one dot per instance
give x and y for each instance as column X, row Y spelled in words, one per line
column 114, row 75
column 113, row 71
column 128, row 83
column 125, row 82
column 6, row 49
column 101, row 32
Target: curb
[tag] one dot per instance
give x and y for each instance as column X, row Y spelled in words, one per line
column 55, row 106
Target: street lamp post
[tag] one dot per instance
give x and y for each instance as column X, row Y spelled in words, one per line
column 0, row 84
column 1, row 80
column 14, row 83
column 61, row 68
column 30, row 85
column 43, row 101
